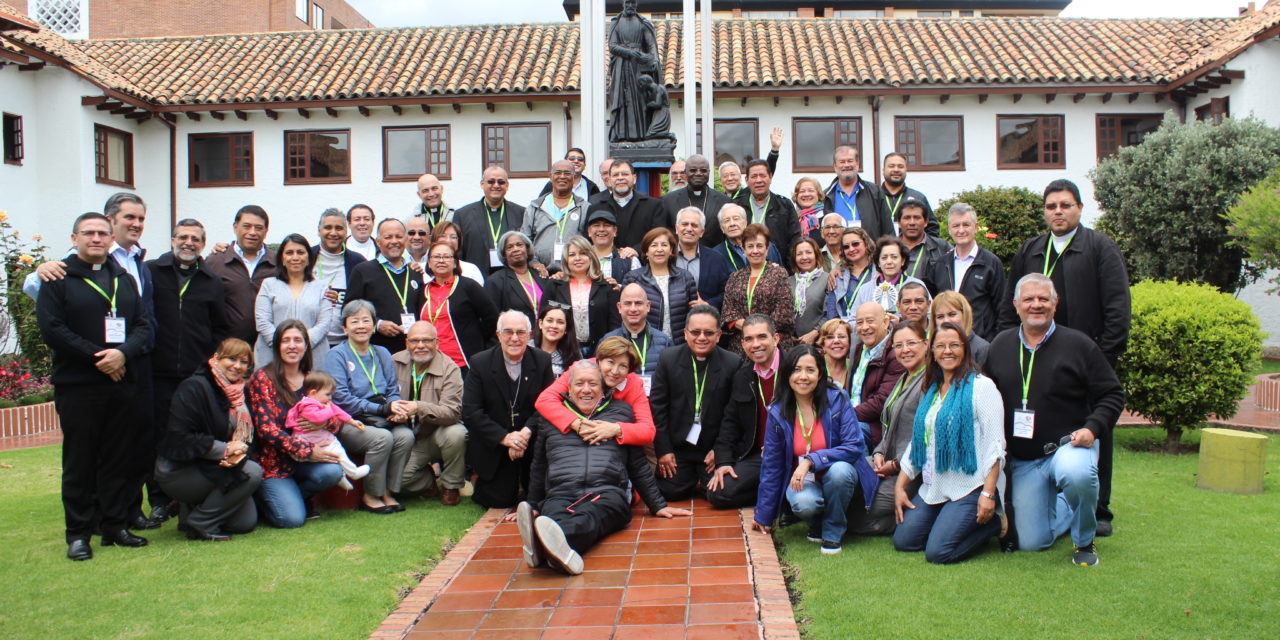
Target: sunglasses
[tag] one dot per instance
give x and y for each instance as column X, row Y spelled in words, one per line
column 416, row 233
column 497, row 182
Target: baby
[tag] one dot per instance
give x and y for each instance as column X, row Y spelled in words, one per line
column 318, row 409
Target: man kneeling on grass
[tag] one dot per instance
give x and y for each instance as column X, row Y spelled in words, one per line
column 579, row 484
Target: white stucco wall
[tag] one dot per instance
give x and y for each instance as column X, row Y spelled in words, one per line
column 1256, row 94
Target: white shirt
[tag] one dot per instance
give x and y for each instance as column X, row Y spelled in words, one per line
column 988, row 447
column 251, row 266
column 126, row 259
column 1060, row 242
column 331, row 269
column 469, row 270
column 368, row 248
column 962, row 265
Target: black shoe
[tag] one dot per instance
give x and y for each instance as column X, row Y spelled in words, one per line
column 122, row 538
column 79, row 550
column 163, row 512
column 396, row 508
column 786, row 519
column 1008, row 545
column 312, row 511
column 143, row 523
column 383, row 510
column 207, row 536
column 1086, row 556
column 1104, row 529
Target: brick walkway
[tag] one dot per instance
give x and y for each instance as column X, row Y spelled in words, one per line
column 700, row 578
column 27, row 442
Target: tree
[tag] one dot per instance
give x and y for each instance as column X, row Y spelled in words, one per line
column 1164, row 198
column 1255, row 223
column 1192, row 350
column 1007, row 217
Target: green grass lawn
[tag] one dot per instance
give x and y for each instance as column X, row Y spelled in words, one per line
column 1268, row 366
column 337, row 577
column 1184, row 563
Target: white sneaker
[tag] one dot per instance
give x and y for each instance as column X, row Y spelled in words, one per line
column 557, row 547
column 360, row 472
column 528, row 541
column 345, row 483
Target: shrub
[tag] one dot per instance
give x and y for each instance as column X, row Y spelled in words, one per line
column 1007, row 217
column 1191, row 353
column 18, row 384
column 1255, row 223
column 19, row 326
column 1164, row 198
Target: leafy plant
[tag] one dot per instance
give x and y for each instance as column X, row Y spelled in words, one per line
column 1255, row 223
column 1191, row 352
column 1007, row 217
column 1164, row 198
column 18, row 382
column 19, row 326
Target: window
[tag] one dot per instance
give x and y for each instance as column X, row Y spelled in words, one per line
column 113, row 156
column 69, row 18
column 814, row 140
column 220, row 159
column 300, row 8
column 523, row 149
column 1124, row 130
column 858, row 13
column 966, row 14
column 317, row 156
column 736, row 140
column 946, row 13
column 317, row 17
column 1215, row 111
column 769, row 14
column 408, row 152
column 13, row 148
column 1029, row 142
column 930, row 143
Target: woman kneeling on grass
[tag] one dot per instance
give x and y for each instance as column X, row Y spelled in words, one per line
column 957, row 448
column 813, row 454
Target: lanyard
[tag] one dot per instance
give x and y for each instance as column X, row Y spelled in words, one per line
column 564, row 217
column 751, row 288
column 401, row 294
column 371, row 376
column 850, row 203
column 802, row 286
column 644, row 353
column 732, row 260
column 531, row 290
column 436, row 315
column 859, row 376
column 902, row 384
column 893, row 207
column 698, row 387
column 929, row 424
column 494, row 232
column 915, row 268
column 760, row 389
column 433, row 220
column 1048, row 268
column 764, row 215
column 111, row 300
column 575, row 411
column 1025, row 368
column 853, row 294
column 183, row 291
column 417, row 380
column 807, row 432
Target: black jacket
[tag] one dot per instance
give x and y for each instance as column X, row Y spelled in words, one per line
column 241, row 288
column 477, row 240
column 871, row 209
column 191, row 326
column 620, row 266
column 506, row 292
column 672, row 399
column 781, row 218
column 371, row 281
column 982, row 286
column 926, row 255
column 737, row 437
column 473, row 315
column 1092, row 284
column 198, row 418
column 72, row 317
column 709, row 202
column 565, row 466
column 602, row 308
column 681, row 290
column 641, row 214
column 487, row 404
column 893, row 206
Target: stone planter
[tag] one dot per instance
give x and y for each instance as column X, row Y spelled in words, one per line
column 1267, row 393
column 31, row 420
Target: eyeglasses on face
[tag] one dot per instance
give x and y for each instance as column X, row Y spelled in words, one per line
column 415, row 232
column 520, row 333
column 498, row 181
column 441, row 256
column 954, row 347
column 850, row 245
column 561, row 173
column 832, row 227
column 910, row 344
column 703, row 333
column 1055, row 206
column 576, row 158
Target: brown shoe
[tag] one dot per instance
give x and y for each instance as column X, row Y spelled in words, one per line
column 450, row 497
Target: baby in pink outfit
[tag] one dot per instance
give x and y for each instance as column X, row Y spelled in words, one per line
column 318, row 409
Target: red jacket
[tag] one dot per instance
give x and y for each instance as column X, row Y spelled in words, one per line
column 550, row 406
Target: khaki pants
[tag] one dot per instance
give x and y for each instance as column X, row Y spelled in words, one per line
column 448, row 444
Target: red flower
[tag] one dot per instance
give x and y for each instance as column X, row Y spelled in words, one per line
column 991, row 236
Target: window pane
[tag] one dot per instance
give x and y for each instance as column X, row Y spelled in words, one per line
column 528, row 149
column 318, row 18
column 330, row 156
column 815, row 143
column 735, row 141
column 300, row 9
column 117, row 157
column 406, row 152
column 211, row 159
column 1019, row 140
column 939, row 142
column 1133, row 130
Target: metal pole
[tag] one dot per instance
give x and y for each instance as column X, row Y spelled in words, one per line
column 690, row 50
column 598, row 113
column 708, row 87
column 586, row 25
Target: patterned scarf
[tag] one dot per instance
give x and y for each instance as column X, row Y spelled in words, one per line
column 235, row 394
column 953, row 430
column 810, row 218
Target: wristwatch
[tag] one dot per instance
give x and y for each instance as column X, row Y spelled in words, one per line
column 987, row 495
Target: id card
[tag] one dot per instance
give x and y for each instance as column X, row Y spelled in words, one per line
column 494, row 260
column 926, row 473
column 695, row 431
column 558, row 253
column 115, row 331
column 1024, row 423
column 406, row 321
column 647, row 379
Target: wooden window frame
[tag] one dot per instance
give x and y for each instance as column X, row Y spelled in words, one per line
column 101, row 168
column 426, row 129
column 310, row 180
column 1062, row 141
column 193, row 183
column 1214, row 111
column 755, row 138
column 916, row 166
column 506, row 157
column 1097, row 130
column 17, row 147
column 834, row 120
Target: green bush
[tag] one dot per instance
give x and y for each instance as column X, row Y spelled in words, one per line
column 18, row 312
column 1007, row 217
column 1191, row 352
column 1255, row 223
column 1163, row 199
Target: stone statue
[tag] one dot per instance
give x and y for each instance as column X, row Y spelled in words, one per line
column 634, row 47
column 658, row 105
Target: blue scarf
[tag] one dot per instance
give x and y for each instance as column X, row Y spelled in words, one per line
column 953, row 431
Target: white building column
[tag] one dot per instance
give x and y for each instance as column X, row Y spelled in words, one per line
column 591, row 57
column 708, row 89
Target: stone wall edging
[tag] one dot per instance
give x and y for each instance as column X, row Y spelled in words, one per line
column 29, row 420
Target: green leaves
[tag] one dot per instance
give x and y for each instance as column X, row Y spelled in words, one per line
column 1254, row 222
column 1007, row 217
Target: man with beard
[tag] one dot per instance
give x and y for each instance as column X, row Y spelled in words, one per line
column 698, row 194
column 484, row 221
column 634, row 212
column 434, row 385
column 633, row 44
column 896, row 192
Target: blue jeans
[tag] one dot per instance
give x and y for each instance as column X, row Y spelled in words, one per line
column 1053, row 494
column 826, row 501
column 948, row 532
column 282, row 501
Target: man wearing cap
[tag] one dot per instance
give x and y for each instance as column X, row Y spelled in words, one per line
column 634, row 213
column 896, row 192
column 484, row 221
column 602, row 230
column 923, row 249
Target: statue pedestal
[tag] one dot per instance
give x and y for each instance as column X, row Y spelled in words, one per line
column 648, row 153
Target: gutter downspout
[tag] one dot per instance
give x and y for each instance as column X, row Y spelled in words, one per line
column 875, row 102
column 173, row 171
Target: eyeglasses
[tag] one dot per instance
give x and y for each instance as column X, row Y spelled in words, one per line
column 703, row 333
column 954, row 347
column 576, row 158
column 507, row 333
column 561, row 173
column 441, row 256
column 414, row 232
column 555, row 304
column 422, row 340
column 851, row 245
column 498, row 182
column 1064, row 206
column 910, row 344
column 832, row 227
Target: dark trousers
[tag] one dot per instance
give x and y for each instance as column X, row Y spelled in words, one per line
column 505, row 488
column 741, row 491
column 690, row 471
column 587, row 519
column 162, row 390
column 880, row 519
column 1106, row 445
column 207, row 507
column 99, row 458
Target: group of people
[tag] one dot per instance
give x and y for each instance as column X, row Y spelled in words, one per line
column 535, row 358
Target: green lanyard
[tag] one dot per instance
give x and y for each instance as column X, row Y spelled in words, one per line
column 575, row 411
column 320, row 264
column 751, row 288
column 438, row 310
column 933, row 409
column 853, row 294
column 183, row 291
column 903, row 383
column 644, row 353
column 764, row 215
column 698, row 387
column 532, row 290
column 371, row 376
column 806, row 432
column 1025, row 368
column 1048, row 268
column 564, row 217
column 859, row 375
column 924, row 249
column 402, row 294
column 417, row 380
column 111, row 299
column 732, row 260
column 495, row 232
column 893, row 207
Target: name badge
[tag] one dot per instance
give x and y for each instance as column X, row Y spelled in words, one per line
column 406, row 321
column 647, row 379
column 558, row 253
column 853, row 224
column 694, row 431
column 494, row 260
column 926, row 473
column 1024, row 423
column 115, row 330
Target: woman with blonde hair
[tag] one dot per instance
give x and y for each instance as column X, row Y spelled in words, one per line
column 835, row 338
column 952, row 306
column 808, row 198
column 582, row 287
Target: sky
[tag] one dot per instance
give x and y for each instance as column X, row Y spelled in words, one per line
column 412, row 13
